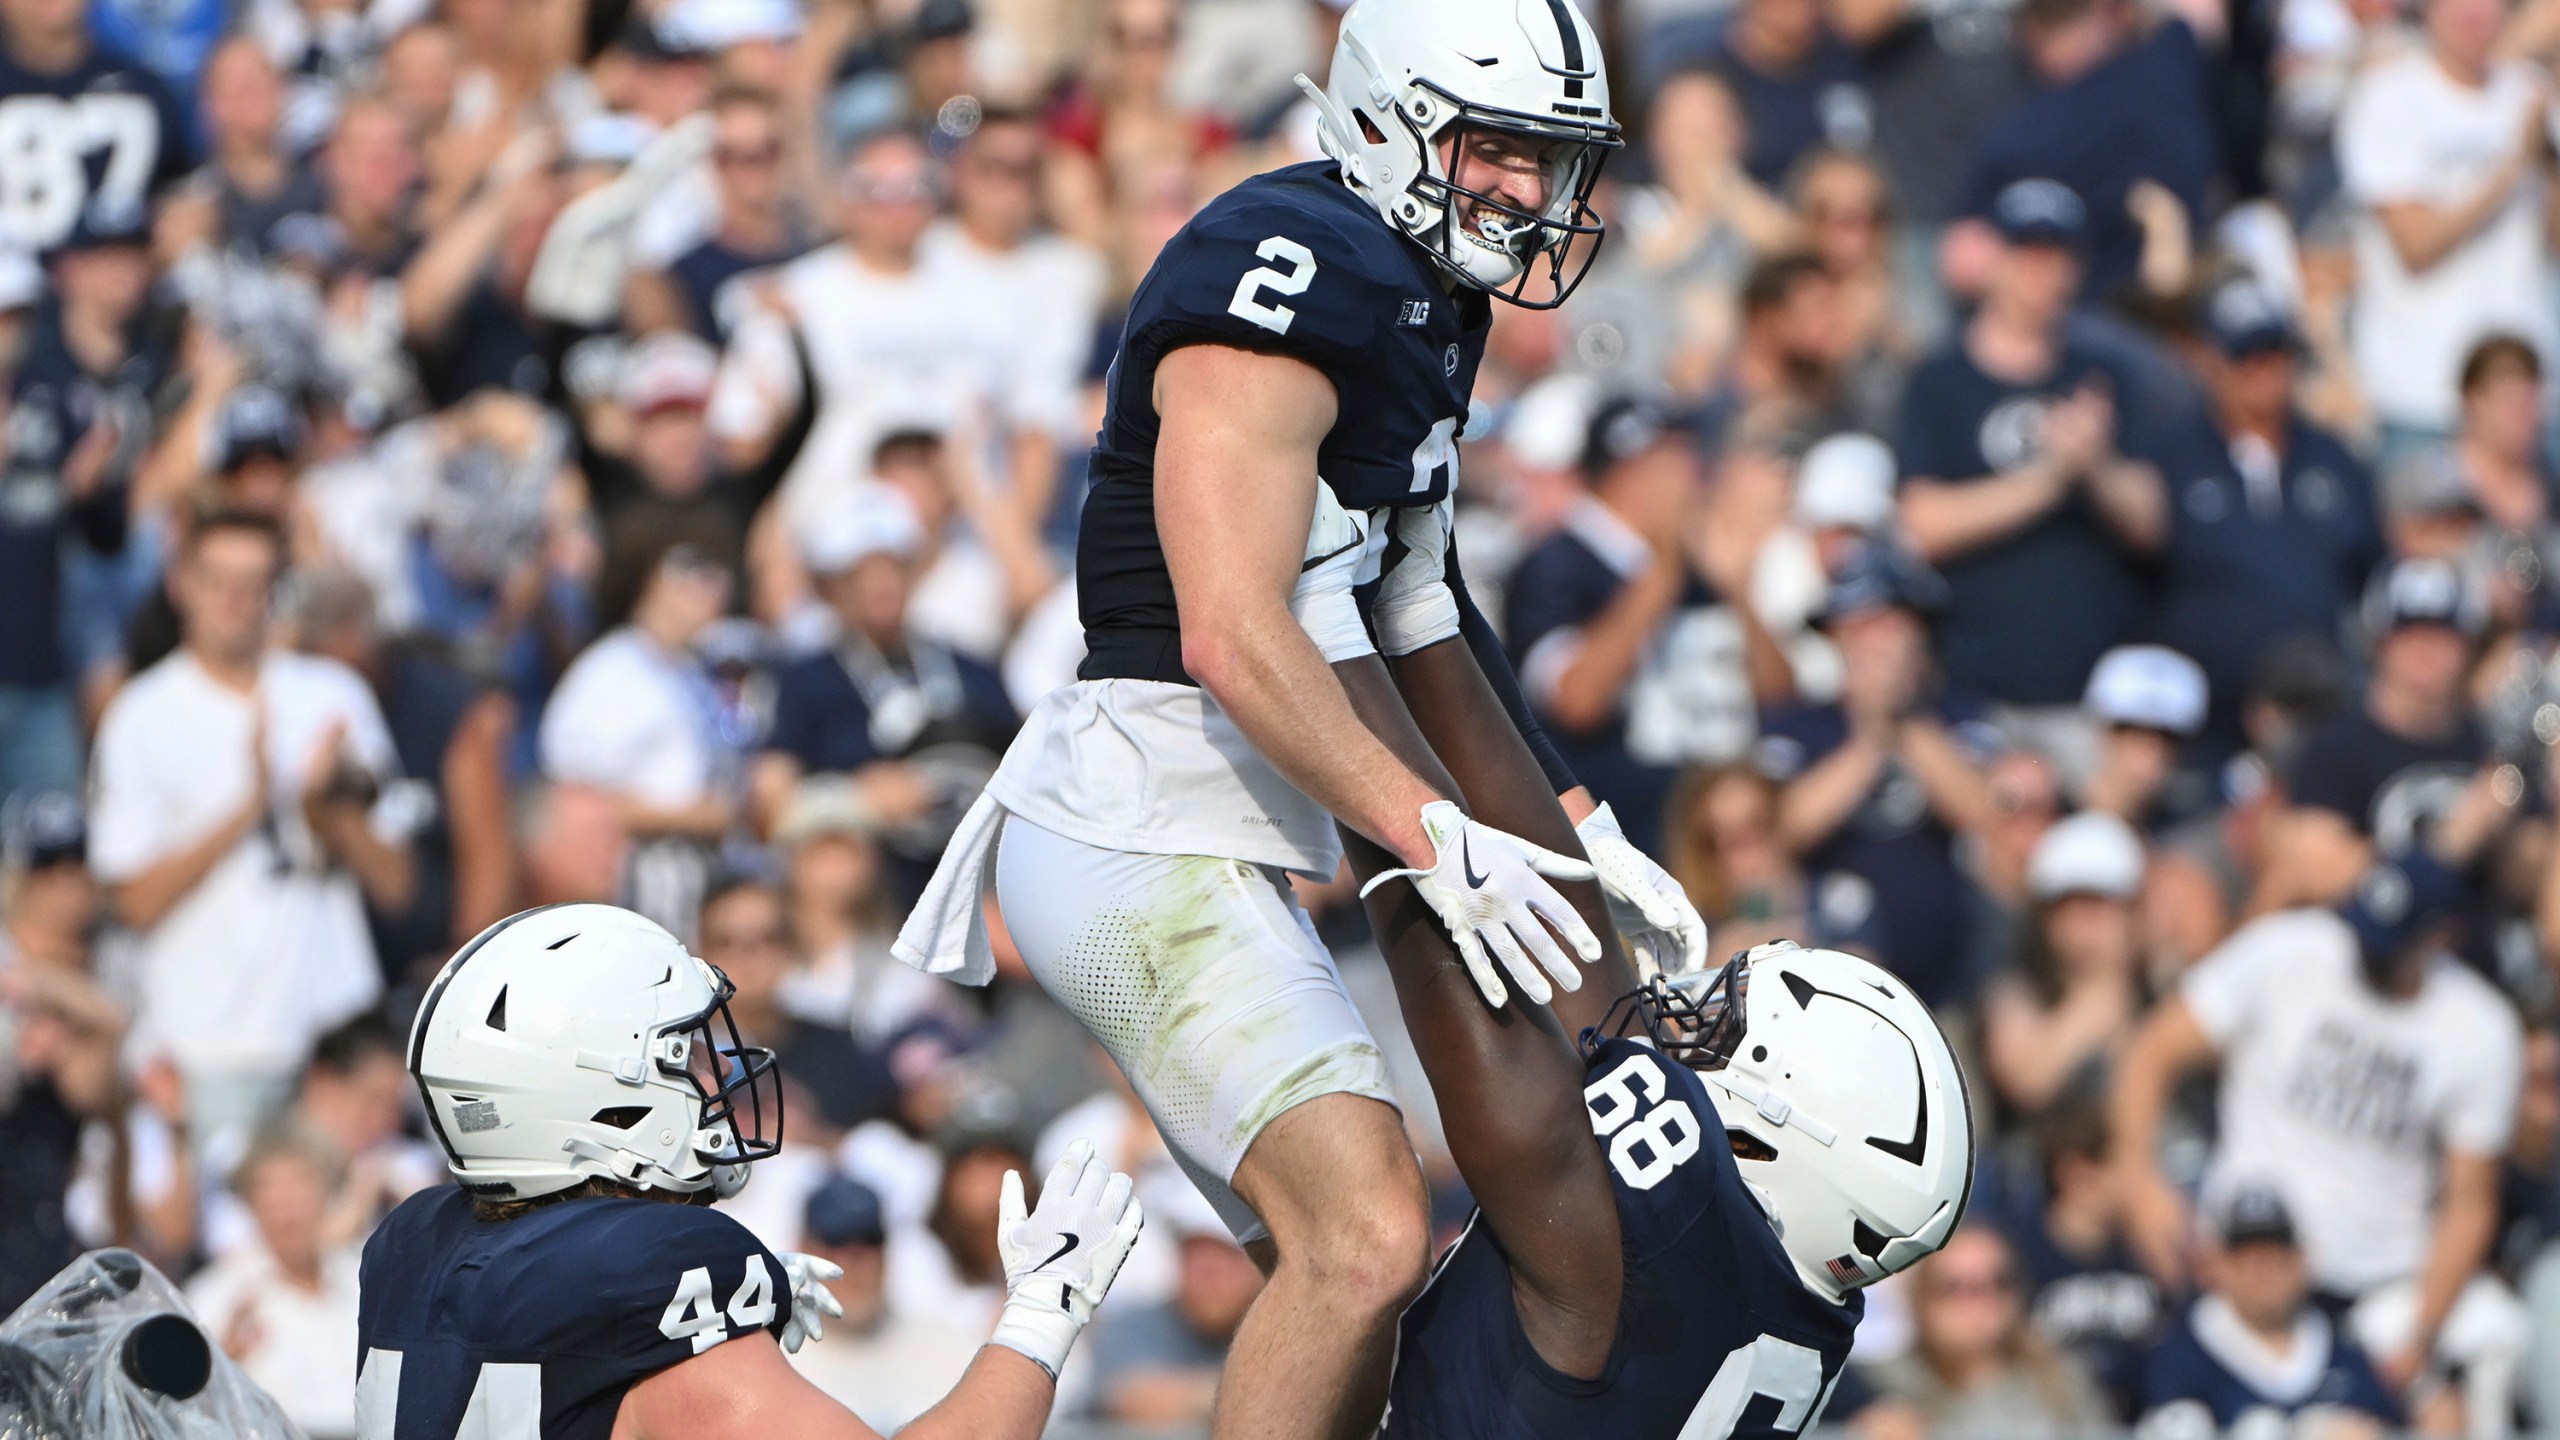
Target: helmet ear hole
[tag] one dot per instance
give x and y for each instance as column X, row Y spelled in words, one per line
column 1747, row 1146
column 621, row 1117
column 1868, row 1239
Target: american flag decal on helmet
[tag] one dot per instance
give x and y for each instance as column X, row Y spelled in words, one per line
column 1845, row 1270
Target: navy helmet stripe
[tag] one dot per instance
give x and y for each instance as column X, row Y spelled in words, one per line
column 1571, row 35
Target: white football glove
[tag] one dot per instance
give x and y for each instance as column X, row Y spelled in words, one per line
column 1059, row 1259
column 1649, row 908
column 812, row 1303
column 1485, row 887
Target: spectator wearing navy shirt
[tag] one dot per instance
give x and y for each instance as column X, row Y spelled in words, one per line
column 880, row 702
column 1877, row 785
column 2118, row 114
column 2018, row 484
column 1798, row 85
column 2092, row 1298
column 756, row 226
column 2271, row 519
column 2254, row 1345
column 1627, row 656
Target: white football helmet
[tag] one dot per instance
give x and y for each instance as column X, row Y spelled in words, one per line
column 1853, row 1123
column 573, row 1042
column 1417, row 72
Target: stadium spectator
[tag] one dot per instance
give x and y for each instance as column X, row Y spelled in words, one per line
column 2253, row 1344
column 1976, row 1367
column 636, row 718
column 1788, row 359
column 867, row 703
column 1797, row 84
column 1877, row 784
column 58, row 1035
column 1721, row 843
column 284, row 1305
column 2054, row 1022
column 837, row 890
column 2380, row 774
column 1628, row 656
column 2272, row 529
column 453, row 735
column 2092, row 1299
column 2371, row 1079
column 1158, row 1364
column 2443, row 152
column 250, row 180
column 233, row 791
column 2118, row 115
column 2017, row 481
column 757, row 224
column 48, row 50
column 354, row 1099
column 2149, row 702
column 827, row 1076
column 887, row 1360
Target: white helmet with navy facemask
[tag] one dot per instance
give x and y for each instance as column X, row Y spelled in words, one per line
column 578, row 1042
column 1846, row 1109
column 1409, row 75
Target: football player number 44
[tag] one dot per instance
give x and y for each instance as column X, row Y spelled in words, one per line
column 1649, row 1135
column 1248, row 303
column 506, row 1400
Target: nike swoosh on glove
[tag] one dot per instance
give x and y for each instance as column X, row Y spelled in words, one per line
column 1645, row 903
column 1487, row 889
column 812, row 1303
column 1060, row 1257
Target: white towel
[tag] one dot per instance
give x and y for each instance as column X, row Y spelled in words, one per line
column 946, row 934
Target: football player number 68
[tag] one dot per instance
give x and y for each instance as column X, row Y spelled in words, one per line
column 1302, row 273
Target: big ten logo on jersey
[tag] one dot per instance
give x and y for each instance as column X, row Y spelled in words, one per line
column 693, row 1315
column 48, row 145
column 1649, row 1135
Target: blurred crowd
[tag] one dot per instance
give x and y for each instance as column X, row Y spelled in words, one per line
column 2057, row 495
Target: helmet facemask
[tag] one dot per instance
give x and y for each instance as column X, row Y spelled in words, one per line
column 1696, row 1019
column 1499, row 253
column 739, row 1085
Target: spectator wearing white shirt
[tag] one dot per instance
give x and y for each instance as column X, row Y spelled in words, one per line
column 284, row 1307
column 2443, row 152
column 637, row 718
column 883, row 330
column 2372, row 1078
column 1040, row 290
column 234, row 786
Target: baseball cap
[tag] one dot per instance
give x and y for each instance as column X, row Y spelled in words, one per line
column 872, row 520
column 668, row 368
column 722, row 24
column 2039, row 212
column 2397, row 900
column 1846, row 480
column 2243, row 318
column 255, row 422
column 2426, row 483
column 1879, row 575
column 2257, row 1215
column 2091, row 853
column 44, row 828
column 2151, row 686
column 844, row 1211
column 106, row 222
column 644, row 39
column 2422, row 592
column 1621, row 428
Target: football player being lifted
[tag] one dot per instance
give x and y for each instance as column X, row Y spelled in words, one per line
column 583, row 1076
column 1271, row 500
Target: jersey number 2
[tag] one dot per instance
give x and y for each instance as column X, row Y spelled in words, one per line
column 1302, row 273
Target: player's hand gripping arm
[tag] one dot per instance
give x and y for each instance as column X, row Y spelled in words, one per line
column 1235, row 495
column 1059, row 1261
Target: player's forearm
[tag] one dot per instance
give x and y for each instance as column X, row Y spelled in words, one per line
column 1258, row 664
column 1003, row 1395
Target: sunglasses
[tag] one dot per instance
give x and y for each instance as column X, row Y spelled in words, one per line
column 729, row 157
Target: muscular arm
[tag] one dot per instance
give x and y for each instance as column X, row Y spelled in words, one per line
column 1477, row 631
column 1508, row 1086
column 745, row 1388
column 1234, row 497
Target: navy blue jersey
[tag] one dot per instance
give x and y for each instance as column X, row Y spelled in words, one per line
column 1718, row 1337
column 556, row 1312
column 1293, row 263
column 2209, row 1359
column 105, row 133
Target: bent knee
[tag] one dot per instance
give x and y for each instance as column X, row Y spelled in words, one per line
column 1371, row 1259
